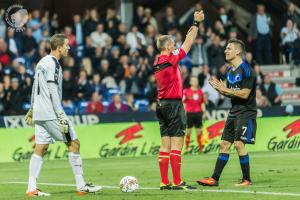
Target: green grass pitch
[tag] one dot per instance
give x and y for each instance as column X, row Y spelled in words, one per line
column 276, row 175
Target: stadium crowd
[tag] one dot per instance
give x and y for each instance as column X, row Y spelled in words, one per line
column 109, row 67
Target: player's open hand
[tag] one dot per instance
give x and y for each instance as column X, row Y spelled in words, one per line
column 199, row 16
column 28, row 117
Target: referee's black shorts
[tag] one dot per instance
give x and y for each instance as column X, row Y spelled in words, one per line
column 194, row 119
column 172, row 118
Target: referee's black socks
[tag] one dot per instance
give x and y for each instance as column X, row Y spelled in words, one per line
column 220, row 164
column 244, row 161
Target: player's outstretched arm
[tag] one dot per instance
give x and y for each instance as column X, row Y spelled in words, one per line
column 193, row 31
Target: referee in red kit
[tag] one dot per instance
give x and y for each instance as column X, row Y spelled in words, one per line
column 170, row 111
column 194, row 104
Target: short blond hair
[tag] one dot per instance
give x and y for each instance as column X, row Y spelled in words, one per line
column 162, row 40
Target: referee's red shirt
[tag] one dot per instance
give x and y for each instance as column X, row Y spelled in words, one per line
column 193, row 99
column 168, row 76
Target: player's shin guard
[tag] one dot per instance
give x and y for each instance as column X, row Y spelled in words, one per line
column 245, row 166
column 35, row 166
column 220, row 164
column 187, row 141
column 175, row 159
column 76, row 164
column 163, row 161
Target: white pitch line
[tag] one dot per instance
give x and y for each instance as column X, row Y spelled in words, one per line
column 199, row 190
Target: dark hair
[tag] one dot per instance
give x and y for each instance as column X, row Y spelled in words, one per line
column 239, row 43
column 57, row 40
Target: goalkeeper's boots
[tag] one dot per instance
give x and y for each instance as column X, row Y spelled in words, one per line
column 244, row 182
column 163, row 186
column 183, row 186
column 88, row 188
column 37, row 193
column 208, row 182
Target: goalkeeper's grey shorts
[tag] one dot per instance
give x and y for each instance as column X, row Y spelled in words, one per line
column 47, row 132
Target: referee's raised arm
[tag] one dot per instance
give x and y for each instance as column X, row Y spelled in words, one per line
column 193, row 31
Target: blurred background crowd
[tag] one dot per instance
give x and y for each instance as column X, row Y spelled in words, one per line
column 109, row 66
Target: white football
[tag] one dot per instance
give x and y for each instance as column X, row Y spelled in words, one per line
column 129, row 184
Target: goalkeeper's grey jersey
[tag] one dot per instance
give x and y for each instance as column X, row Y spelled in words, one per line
column 48, row 70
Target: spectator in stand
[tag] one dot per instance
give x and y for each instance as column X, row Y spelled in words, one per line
column 14, row 45
column 225, row 18
column 261, row 100
column 215, row 54
column 29, row 46
column 169, row 22
column 291, row 14
column 95, row 106
column 54, row 23
column 233, row 34
column 5, row 55
column 36, row 25
column 249, row 59
column 87, row 66
column 199, row 52
column 259, row 75
column 296, row 52
column 14, row 99
column 99, row 37
column 271, row 90
column 112, row 22
column 2, row 24
column 83, row 90
column 133, row 82
column 151, row 90
column 70, row 36
column 2, row 99
column 78, row 29
column 91, row 22
column 130, row 102
column 150, row 34
column 104, row 70
column 97, row 86
column 133, row 37
column 121, row 31
column 138, row 19
column 288, row 34
column 185, row 76
column 219, row 29
column 208, row 103
column 68, row 87
column 260, row 33
column 117, row 105
column 149, row 19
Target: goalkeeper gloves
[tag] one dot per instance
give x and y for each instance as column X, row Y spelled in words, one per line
column 63, row 122
column 28, row 117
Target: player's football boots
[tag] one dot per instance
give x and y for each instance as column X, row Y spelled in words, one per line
column 244, row 182
column 208, row 182
column 183, row 186
column 88, row 188
column 37, row 193
column 163, row 186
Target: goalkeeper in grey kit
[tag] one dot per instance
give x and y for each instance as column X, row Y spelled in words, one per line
column 49, row 119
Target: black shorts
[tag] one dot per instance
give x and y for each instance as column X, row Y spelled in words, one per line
column 240, row 129
column 194, row 119
column 171, row 117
